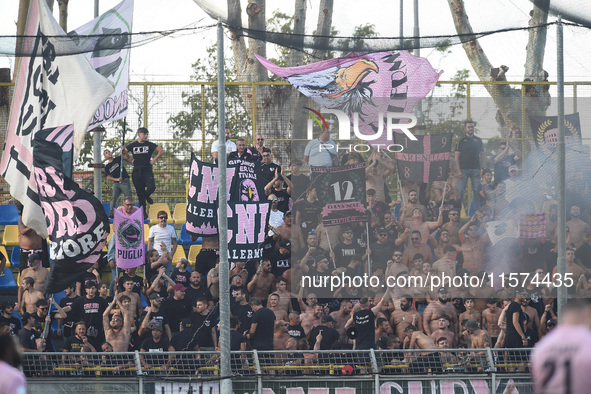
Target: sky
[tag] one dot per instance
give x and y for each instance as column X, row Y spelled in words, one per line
column 170, row 58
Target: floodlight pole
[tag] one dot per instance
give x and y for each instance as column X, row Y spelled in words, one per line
column 417, row 52
column 224, row 299
column 561, row 175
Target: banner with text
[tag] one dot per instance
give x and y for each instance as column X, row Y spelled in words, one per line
column 341, row 192
column 425, row 160
column 545, row 131
column 76, row 221
column 247, row 224
column 249, row 184
column 129, row 238
column 202, row 218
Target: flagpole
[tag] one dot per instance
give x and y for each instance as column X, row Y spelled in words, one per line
column 400, row 193
column 224, row 302
column 444, row 190
column 46, row 325
column 368, row 257
column 330, row 247
column 122, row 149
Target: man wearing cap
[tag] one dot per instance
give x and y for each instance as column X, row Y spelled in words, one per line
column 469, row 161
column 35, row 271
column 348, row 248
column 157, row 343
column 142, row 175
column 29, row 335
column 154, row 313
column 262, row 326
column 14, row 324
column 512, row 184
column 176, row 307
column 436, row 309
column 184, row 340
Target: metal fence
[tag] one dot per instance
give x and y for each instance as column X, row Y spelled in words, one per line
column 363, row 371
column 182, row 118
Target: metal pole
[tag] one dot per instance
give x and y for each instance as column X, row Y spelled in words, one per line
column 561, row 263
column 401, row 24
column 226, row 371
column 417, row 52
column 97, row 138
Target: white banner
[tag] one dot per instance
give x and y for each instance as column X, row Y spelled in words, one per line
column 501, row 229
column 50, row 91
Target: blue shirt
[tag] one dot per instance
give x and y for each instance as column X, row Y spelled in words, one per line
column 319, row 155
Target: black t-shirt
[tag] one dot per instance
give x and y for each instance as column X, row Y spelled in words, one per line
column 268, row 171
column 138, row 282
column 344, row 253
column 469, row 149
column 236, row 339
column 142, row 153
column 501, row 169
column 72, row 317
column 206, row 261
column 192, row 295
column 255, row 153
column 300, row 185
column 73, row 344
column 296, row 332
column 27, row 338
column 176, row 310
column 14, row 324
column 41, row 324
column 263, row 336
column 180, row 277
column 91, row 311
column 513, row 339
column 183, row 341
column 282, row 199
column 162, row 345
column 279, row 262
column 309, row 212
column 203, row 324
column 365, row 323
column 381, row 253
column 159, row 317
column 329, row 336
column 244, row 314
column 234, row 159
column 113, row 168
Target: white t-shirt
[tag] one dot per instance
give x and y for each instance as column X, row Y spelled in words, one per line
column 160, row 234
column 230, row 146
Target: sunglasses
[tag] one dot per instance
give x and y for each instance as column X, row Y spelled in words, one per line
column 397, row 254
column 260, row 139
column 44, row 309
column 163, row 217
column 415, row 239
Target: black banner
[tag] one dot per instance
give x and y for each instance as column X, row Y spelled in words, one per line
column 76, row 220
column 249, row 184
column 247, row 224
column 202, row 217
column 545, row 131
column 425, row 160
column 341, row 192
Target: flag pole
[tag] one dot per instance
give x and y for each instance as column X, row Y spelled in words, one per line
column 368, row 257
column 400, row 193
column 46, row 325
column 444, row 190
column 330, row 247
column 123, row 149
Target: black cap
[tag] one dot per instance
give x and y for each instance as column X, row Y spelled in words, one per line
column 327, row 319
column 156, row 296
column 187, row 322
column 381, row 230
column 346, row 228
column 382, row 342
column 551, row 322
column 7, row 304
column 284, row 243
column 33, row 257
column 288, row 213
column 491, row 300
column 26, row 316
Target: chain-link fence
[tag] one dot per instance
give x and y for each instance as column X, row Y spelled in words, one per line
column 182, row 118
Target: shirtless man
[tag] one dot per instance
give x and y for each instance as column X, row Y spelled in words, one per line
column 444, row 331
column 425, row 360
column 313, row 319
column 440, row 244
column 578, row 228
column 118, row 330
column 273, row 304
column 473, row 246
column 447, row 264
column 405, row 316
column 383, row 328
column 453, row 227
column 280, row 336
column 470, row 313
column 308, row 305
column 29, row 296
column 376, row 173
column 415, row 222
column 490, row 319
column 36, row 272
column 479, row 339
column 436, row 309
column 284, row 231
column 342, row 315
column 261, row 282
column 135, row 307
column 532, row 328
column 411, row 203
column 416, row 246
column 284, row 295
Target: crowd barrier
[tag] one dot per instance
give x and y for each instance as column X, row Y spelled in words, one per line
column 293, row 372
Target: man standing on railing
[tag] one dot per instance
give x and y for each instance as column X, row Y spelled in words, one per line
column 118, row 175
column 470, row 162
column 142, row 175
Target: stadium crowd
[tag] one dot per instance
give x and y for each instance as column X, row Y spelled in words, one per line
column 421, row 234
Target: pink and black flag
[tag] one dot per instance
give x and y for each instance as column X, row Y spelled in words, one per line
column 366, row 86
column 247, row 225
column 425, row 160
column 76, row 221
column 129, row 239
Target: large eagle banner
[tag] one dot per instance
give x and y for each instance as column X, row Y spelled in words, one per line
column 425, row 160
column 75, row 219
column 545, row 131
column 129, row 238
column 51, row 91
column 202, row 217
column 341, row 193
column 249, row 184
column 247, row 223
column 366, row 86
